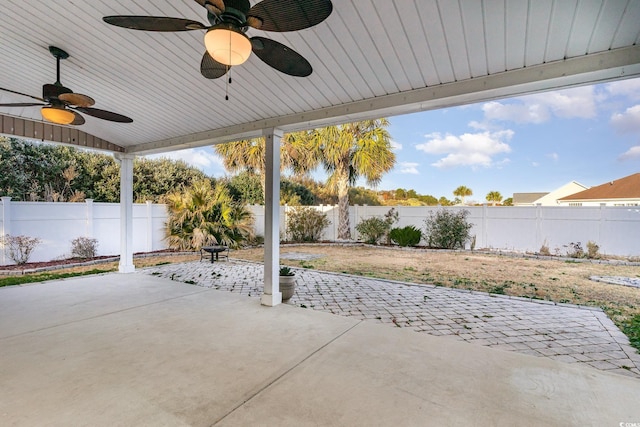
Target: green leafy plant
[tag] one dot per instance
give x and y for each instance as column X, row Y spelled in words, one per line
column 447, row 230
column 306, row 224
column 406, row 236
column 631, row 328
column 375, row 229
column 286, row 271
column 372, row 229
column 84, row 247
column 202, row 215
column 19, row 248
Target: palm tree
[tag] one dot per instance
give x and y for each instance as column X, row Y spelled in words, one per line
column 201, row 215
column 494, row 196
column 462, row 192
column 349, row 152
column 249, row 155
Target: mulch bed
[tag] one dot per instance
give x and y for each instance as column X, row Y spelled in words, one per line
column 68, row 261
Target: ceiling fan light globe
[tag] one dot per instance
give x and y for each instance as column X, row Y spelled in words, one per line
column 227, row 45
column 57, row 115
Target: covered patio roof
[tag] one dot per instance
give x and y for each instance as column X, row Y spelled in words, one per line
column 370, row 58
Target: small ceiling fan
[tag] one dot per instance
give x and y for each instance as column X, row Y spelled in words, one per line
column 225, row 40
column 61, row 104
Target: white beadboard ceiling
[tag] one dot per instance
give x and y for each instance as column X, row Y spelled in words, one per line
column 371, row 58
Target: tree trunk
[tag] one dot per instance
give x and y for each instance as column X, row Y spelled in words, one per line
column 263, row 183
column 344, row 228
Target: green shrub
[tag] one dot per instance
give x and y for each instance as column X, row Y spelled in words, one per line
column 306, row 224
column 406, row 236
column 447, row 230
column 19, row 247
column 374, row 229
column 286, row 271
column 84, row 247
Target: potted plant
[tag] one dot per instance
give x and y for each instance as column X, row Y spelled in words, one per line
column 287, row 282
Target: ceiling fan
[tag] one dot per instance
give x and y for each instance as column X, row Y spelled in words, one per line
column 225, row 40
column 61, row 105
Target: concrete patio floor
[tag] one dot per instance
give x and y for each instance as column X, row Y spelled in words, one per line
column 134, row 350
column 564, row 332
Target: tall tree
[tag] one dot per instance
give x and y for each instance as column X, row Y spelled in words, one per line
column 494, row 197
column 349, row 152
column 462, row 192
column 249, row 155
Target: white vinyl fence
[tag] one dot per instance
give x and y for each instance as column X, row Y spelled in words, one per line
column 520, row 228
column 616, row 229
column 57, row 224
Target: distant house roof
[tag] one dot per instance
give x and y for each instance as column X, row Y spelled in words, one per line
column 623, row 188
column 527, row 197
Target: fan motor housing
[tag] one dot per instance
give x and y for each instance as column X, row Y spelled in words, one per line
column 53, row 91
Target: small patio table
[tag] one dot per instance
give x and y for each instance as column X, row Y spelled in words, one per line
column 214, row 252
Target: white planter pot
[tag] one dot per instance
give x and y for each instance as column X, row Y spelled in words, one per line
column 287, row 286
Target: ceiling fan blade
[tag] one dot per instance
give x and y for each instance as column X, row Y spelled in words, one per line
column 212, row 69
column 288, row 15
column 21, row 104
column 77, row 99
column 104, row 115
column 214, row 6
column 79, row 120
column 281, row 57
column 153, row 23
column 23, row 94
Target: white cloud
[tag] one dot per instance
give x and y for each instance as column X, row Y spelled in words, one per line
column 629, row 121
column 519, row 113
column 469, row 149
column 632, row 153
column 535, row 164
column 396, row 146
column 409, row 168
column 200, row 158
column 553, row 156
column 538, row 108
column 629, row 88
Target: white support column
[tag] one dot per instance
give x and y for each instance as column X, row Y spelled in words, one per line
column 126, row 213
column 272, row 295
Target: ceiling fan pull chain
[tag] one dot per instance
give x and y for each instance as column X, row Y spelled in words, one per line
column 226, row 94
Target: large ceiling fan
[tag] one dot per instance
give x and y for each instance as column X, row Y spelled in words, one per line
column 61, row 105
column 225, row 40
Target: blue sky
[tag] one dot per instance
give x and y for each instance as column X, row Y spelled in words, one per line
column 533, row 143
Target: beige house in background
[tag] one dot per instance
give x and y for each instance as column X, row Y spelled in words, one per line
column 547, row 199
column 621, row 192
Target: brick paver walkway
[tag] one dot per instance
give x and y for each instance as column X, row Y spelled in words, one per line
column 562, row 332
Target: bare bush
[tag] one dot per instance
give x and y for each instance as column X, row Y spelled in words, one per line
column 19, row 248
column 84, row 247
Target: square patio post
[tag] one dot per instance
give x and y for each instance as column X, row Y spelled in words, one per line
column 272, row 295
column 126, row 213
